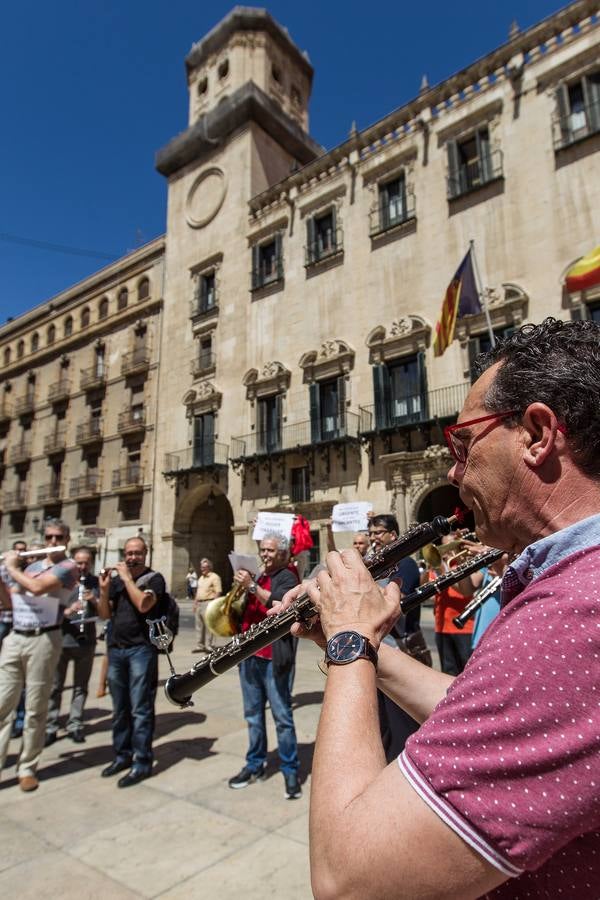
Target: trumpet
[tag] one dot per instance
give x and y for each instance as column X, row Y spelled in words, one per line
column 433, row 555
column 39, row 551
column 180, row 687
column 223, row 614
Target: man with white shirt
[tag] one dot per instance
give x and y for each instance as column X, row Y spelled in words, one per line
column 39, row 595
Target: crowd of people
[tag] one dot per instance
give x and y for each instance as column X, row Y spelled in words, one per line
column 483, row 771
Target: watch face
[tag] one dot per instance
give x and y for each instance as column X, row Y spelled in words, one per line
column 345, row 647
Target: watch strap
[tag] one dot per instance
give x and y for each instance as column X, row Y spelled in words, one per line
column 367, row 651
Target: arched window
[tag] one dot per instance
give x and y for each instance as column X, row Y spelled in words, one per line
column 85, row 317
column 143, row 289
column 103, row 308
column 35, row 342
column 51, row 337
column 122, row 299
column 7, row 356
column 68, row 326
column 20, row 349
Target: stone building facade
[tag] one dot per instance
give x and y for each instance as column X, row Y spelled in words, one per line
column 302, row 287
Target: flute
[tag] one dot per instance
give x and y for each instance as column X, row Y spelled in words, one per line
column 382, row 563
column 41, row 551
column 478, row 600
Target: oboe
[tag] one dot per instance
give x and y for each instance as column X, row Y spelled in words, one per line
column 444, row 581
column 80, row 600
column 179, row 688
column 478, row 600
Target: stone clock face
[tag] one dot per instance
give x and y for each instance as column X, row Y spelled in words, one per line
column 206, row 197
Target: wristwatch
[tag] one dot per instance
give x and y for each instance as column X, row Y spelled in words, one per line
column 348, row 646
column 252, row 587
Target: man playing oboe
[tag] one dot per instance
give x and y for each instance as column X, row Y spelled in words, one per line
column 496, row 794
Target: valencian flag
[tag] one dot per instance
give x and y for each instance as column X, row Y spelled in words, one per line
column 585, row 273
column 462, row 299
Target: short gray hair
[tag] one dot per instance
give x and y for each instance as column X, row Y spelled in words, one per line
column 206, row 560
column 283, row 544
column 58, row 523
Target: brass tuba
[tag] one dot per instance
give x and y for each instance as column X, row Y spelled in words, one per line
column 223, row 614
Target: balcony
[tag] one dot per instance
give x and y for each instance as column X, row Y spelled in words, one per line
column 398, row 413
column 92, row 378
column 267, row 274
column 56, row 442
column 132, row 420
column 204, row 306
column 85, row 486
column 20, row 453
column 326, row 247
column 576, row 126
column 136, row 361
column 5, row 412
column 127, row 479
column 59, row 391
column 49, row 493
column 90, row 432
column 387, row 216
column 203, row 364
column 24, row 405
column 474, row 175
column 294, row 437
column 202, row 456
column 13, row 500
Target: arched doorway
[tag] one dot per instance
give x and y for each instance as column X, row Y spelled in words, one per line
column 442, row 501
column 211, row 535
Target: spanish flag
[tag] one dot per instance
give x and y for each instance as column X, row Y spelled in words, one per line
column 461, row 299
column 585, row 273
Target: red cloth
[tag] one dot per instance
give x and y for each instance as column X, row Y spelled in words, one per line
column 301, row 537
column 256, row 611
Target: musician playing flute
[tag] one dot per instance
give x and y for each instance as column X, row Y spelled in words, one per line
column 497, row 793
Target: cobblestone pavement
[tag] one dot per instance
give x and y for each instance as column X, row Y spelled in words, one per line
column 182, row 833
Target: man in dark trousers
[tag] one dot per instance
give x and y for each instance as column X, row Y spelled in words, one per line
column 137, row 593
column 79, row 645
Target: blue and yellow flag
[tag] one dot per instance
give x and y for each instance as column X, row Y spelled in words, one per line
column 461, row 299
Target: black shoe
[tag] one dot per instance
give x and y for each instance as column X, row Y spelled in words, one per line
column 115, row 767
column 133, row 777
column 246, row 777
column 293, row 790
column 77, row 736
column 50, row 738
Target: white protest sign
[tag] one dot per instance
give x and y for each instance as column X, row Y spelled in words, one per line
column 241, row 561
column 351, row 516
column 276, row 523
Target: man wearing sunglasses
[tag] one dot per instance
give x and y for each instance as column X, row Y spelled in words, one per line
column 497, row 793
column 31, row 651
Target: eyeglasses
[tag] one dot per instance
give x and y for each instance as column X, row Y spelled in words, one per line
column 379, row 532
column 455, row 444
column 54, row 537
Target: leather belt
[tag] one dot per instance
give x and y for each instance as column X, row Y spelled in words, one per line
column 35, row 632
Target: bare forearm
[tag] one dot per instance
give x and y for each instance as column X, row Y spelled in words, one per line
column 36, row 586
column 104, row 610
column 414, row 687
column 348, row 758
column 142, row 600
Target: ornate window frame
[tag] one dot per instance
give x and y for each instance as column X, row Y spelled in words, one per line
column 506, row 310
column 334, row 357
column 203, row 398
column 407, row 335
column 273, row 378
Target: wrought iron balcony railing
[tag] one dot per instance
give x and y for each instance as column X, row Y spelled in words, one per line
column 60, row 390
column 203, row 363
column 25, row 404
column 291, row 437
column 89, row 432
column 17, row 499
column 443, row 403
column 49, row 493
column 92, row 378
column 265, row 275
column 132, row 419
column 396, row 211
column 577, row 125
column 474, row 175
column 20, row 452
column 85, row 486
column 203, row 306
column 56, row 442
column 201, row 456
column 127, row 478
column 324, row 247
column 137, row 360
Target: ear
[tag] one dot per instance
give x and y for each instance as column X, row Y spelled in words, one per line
column 541, row 427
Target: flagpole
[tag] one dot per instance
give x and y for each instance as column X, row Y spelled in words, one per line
column 481, row 295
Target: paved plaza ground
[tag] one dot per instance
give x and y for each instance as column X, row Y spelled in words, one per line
column 181, row 834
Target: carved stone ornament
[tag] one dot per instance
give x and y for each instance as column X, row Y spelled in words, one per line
column 408, row 335
column 334, row 357
column 202, row 399
column 412, row 476
column 205, row 197
column 273, row 378
column 507, row 308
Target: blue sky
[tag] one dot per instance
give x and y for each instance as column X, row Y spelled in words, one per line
column 90, row 90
